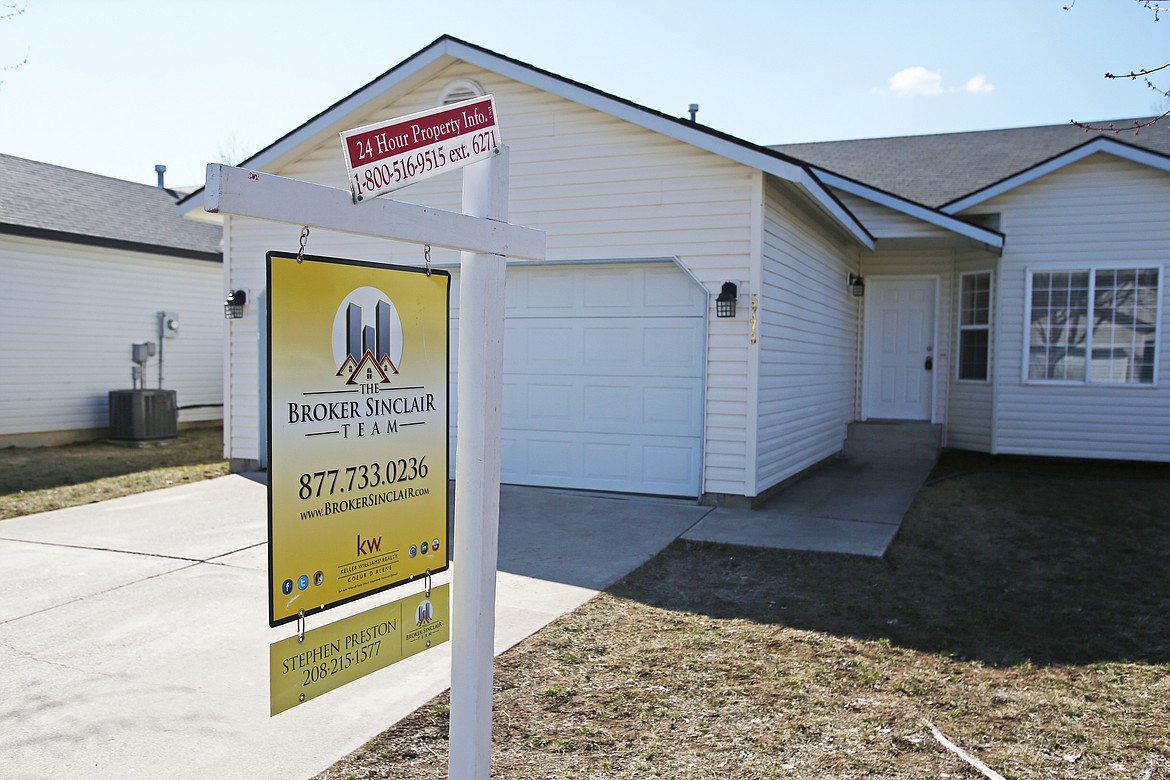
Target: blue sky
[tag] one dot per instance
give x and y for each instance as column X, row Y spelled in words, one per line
column 115, row 86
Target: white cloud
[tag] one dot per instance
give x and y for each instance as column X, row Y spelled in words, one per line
column 917, row 80
column 977, row 84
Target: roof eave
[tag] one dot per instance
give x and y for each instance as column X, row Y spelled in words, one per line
column 106, row 242
column 1094, row 146
column 989, row 238
column 447, row 49
column 333, row 119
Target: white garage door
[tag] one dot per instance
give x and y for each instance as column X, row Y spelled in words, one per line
column 603, row 378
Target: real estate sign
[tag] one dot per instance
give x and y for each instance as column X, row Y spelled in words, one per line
column 389, row 155
column 358, row 425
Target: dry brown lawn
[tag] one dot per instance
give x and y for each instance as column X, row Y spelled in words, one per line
column 1022, row 611
column 45, row 478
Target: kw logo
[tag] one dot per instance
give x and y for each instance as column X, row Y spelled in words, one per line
column 368, row 546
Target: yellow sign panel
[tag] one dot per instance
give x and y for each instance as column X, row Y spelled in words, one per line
column 306, row 666
column 358, row 422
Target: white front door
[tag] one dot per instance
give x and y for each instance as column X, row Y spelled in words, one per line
column 899, row 349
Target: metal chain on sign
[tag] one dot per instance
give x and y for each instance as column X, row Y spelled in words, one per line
column 304, row 240
column 427, row 257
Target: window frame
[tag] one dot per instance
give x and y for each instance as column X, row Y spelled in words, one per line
column 1091, row 269
column 988, row 327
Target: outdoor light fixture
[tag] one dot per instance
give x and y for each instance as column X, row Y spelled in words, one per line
column 856, row 286
column 725, row 303
column 233, row 307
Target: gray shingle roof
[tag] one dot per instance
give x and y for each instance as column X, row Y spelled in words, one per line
column 936, row 169
column 41, row 199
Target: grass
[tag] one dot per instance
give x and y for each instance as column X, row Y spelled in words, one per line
column 47, row 478
column 1021, row 611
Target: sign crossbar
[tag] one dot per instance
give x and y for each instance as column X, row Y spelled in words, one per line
column 246, row 193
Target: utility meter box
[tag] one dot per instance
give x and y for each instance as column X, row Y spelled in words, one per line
column 168, row 324
column 142, row 351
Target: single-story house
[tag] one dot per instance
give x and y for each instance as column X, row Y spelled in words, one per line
column 1006, row 287
column 88, row 263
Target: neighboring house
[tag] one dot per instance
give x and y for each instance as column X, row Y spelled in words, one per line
column 620, row 376
column 87, row 263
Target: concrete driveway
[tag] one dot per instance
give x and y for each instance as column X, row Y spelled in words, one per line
column 134, row 635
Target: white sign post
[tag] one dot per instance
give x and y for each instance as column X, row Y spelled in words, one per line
column 477, row 480
column 484, row 239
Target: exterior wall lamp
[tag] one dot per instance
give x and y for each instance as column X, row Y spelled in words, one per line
column 856, row 286
column 233, row 307
column 725, row 303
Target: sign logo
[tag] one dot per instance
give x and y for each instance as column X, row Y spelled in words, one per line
column 367, row 338
column 368, row 546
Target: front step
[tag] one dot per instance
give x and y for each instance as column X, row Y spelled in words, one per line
column 902, row 439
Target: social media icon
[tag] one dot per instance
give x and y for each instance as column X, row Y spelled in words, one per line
column 413, row 550
column 303, row 582
column 286, row 587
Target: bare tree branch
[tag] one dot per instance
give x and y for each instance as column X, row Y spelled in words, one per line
column 1143, row 74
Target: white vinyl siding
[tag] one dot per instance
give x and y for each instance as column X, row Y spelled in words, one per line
column 600, row 187
column 68, row 316
column 970, row 404
column 807, row 340
column 1099, row 210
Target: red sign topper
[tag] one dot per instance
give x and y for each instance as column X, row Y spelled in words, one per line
column 389, row 155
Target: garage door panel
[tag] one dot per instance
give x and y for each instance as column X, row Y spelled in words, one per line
column 602, row 291
column 637, row 346
column 642, row 406
column 602, row 462
column 671, row 348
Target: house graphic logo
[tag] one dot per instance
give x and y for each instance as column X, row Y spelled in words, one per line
column 367, row 338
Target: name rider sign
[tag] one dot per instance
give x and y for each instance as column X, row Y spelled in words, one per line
column 358, row 422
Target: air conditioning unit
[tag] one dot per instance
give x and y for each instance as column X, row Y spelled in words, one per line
column 143, row 415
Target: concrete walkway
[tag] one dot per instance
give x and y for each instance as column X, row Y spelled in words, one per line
column 134, row 636
column 852, row 506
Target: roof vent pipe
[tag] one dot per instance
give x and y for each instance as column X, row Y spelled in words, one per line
column 161, row 171
column 694, row 109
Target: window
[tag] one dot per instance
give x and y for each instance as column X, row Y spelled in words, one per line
column 975, row 326
column 1097, row 326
